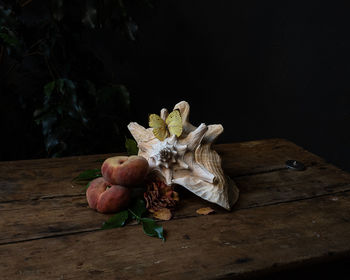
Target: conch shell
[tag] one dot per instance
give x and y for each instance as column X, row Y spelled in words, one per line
column 188, row 160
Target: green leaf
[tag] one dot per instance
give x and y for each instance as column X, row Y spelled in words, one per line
column 117, row 220
column 9, row 40
column 131, row 146
column 60, row 85
column 48, row 88
column 88, row 175
column 91, row 16
column 151, row 228
column 125, row 96
column 57, row 9
column 138, row 208
column 69, row 83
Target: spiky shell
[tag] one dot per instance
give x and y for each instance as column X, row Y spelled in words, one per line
column 188, row 160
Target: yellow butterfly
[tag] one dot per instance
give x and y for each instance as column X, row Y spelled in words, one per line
column 161, row 128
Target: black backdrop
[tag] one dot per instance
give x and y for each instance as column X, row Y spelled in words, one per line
column 262, row 69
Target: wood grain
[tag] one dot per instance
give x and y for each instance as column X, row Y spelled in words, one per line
column 58, row 215
column 283, row 218
column 217, row 246
column 245, row 158
column 42, row 178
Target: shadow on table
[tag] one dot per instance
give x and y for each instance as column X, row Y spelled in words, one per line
column 337, row 269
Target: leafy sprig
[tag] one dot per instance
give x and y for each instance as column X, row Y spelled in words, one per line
column 137, row 208
column 135, row 212
column 88, row 175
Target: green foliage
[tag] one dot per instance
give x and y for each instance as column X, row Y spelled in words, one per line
column 131, row 146
column 136, row 212
column 88, row 175
column 138, row 208
column 151, row 228
column 9, row 38
column 79, row 103
column 8, row 32
column 117, row 220
column 65, row 106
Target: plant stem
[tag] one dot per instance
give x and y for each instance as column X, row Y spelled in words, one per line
column 121, row 5
column 137, row 217
column 36, row 43
column 33, row 53
column 25, row 3
column 49, row 68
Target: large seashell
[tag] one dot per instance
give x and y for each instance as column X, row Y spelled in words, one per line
column 188, row 160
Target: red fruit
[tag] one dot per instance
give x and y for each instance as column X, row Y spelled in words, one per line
column 124, row 170
column 106, row 198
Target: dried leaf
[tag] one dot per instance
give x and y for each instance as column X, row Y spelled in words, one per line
column 205, row 211
column 176, row 196
column 163, row 214
column 159, row 195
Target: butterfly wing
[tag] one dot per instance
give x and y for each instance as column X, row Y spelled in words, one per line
column 158, row 125
column 174, row 123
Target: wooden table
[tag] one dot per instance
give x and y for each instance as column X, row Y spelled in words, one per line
column 284, row 220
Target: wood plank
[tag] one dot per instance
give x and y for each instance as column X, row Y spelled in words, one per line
column 34, row 179
column 217, row 246
column 245, row 158
column 276, row 187
column 47, row 217
column 22, row 220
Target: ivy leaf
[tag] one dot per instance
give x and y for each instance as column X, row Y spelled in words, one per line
column 151, row 228
column 117, row 220
column 9, row 40
column 48, row 88
column 138, row 208
column 57, row 10
column 90, row 18
column 124, row 95
column 88, row 175
column 131, row 146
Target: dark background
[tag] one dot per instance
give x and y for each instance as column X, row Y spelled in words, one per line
column 262, row 69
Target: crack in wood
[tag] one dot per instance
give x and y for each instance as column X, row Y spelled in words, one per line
column 259, row 172
column 43, row 198
column 83, row 194
column 180, row 217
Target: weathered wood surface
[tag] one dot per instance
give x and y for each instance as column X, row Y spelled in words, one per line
column 283, row 218
column 47, row 178
column 205, row 247
column 21, row 220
